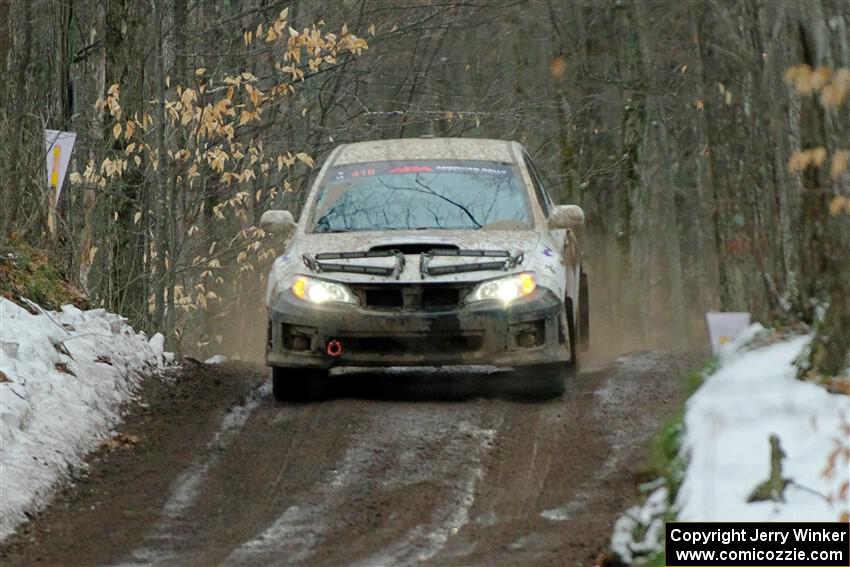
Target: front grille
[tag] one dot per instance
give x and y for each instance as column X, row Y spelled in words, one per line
column 412, row 297
column 444, row 344
column 383, row 298
column 435, row 297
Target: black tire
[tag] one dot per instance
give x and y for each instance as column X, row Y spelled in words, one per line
column 543, row 381
column 294, row 384
column 583, row 313
column 572, row 337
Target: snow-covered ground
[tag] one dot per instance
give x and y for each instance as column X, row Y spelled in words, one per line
column 728, row 422
column 64, row 376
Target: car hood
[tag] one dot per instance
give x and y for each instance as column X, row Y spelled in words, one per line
column 291, row 263
column 510, row 240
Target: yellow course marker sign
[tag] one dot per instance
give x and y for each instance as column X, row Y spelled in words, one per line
column 54, row 172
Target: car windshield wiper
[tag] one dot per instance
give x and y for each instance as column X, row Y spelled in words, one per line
column 331, row 230
column 319, row 263
column 506, row 262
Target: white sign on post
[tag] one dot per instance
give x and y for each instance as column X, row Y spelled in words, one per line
column 59, row 146
column 724, row 327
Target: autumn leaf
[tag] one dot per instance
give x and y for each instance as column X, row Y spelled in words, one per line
column 818, row 156
column 301, row 156
column 840, row 159
column 116, row 130
column 838, row 205
column 122, row 441
column 800, row 160
column 558, row 67
column 700, row 104
column 200, row 71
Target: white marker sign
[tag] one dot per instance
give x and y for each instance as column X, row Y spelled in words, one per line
column 724, row 327
column 59, row 146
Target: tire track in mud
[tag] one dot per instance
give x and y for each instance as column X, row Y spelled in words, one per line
column 427, row 539
column 560, row 473
column 392, row 452
column 383, row 471
column 613, row 394
column 158, row 547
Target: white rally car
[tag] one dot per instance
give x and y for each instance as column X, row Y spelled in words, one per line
column 427, row 252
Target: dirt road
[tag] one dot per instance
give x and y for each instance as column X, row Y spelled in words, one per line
column 394, row 469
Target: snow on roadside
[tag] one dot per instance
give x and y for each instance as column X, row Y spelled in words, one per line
column 216, row 359
column 640, row 530
column 66, row 375
column 728, row 422
column 727, row 425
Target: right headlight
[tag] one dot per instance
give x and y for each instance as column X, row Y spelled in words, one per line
column 505, row 289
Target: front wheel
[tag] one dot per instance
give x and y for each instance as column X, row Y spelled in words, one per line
column 294, row 384
column 544, row 380
column 583, row 313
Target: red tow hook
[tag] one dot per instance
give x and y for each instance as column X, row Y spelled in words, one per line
column 334, row 348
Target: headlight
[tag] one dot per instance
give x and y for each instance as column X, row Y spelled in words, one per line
column 504, row 289
column 320, row 291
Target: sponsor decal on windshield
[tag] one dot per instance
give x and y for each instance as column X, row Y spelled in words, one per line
column 473, row 170
column 467, row 167
column 412, row 169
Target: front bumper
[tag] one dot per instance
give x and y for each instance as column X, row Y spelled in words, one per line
column 530, row 331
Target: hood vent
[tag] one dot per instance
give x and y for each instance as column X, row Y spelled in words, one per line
column 413, row 247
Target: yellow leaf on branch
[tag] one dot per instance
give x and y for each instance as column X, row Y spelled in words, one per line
column 840, row 160
column 301, row 156
column 838, row 205
column 802, row 159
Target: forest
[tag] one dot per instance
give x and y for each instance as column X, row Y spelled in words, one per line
column 708, row 143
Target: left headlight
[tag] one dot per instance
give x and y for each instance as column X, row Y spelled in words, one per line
column 505, row 289
column 321, row 291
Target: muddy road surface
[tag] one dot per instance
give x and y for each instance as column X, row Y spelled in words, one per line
column 402, row 468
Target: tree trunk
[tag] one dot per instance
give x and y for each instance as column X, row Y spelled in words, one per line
column 161, row 203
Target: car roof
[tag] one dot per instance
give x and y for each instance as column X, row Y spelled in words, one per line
column 425, row 148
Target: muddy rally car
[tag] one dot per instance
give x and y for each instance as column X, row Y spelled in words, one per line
column 427, row 252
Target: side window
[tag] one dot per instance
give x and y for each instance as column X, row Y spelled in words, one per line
column 542, row 197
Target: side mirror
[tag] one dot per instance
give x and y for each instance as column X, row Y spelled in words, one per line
column 566, row 216
column 277, row 222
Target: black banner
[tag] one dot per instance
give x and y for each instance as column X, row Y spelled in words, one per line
column 757, row 544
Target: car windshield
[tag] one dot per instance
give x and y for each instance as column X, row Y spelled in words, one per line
column 421, row 195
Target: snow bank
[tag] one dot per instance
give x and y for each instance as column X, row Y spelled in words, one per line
column 727, row 426
column 66, row 375
column 640, row 531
